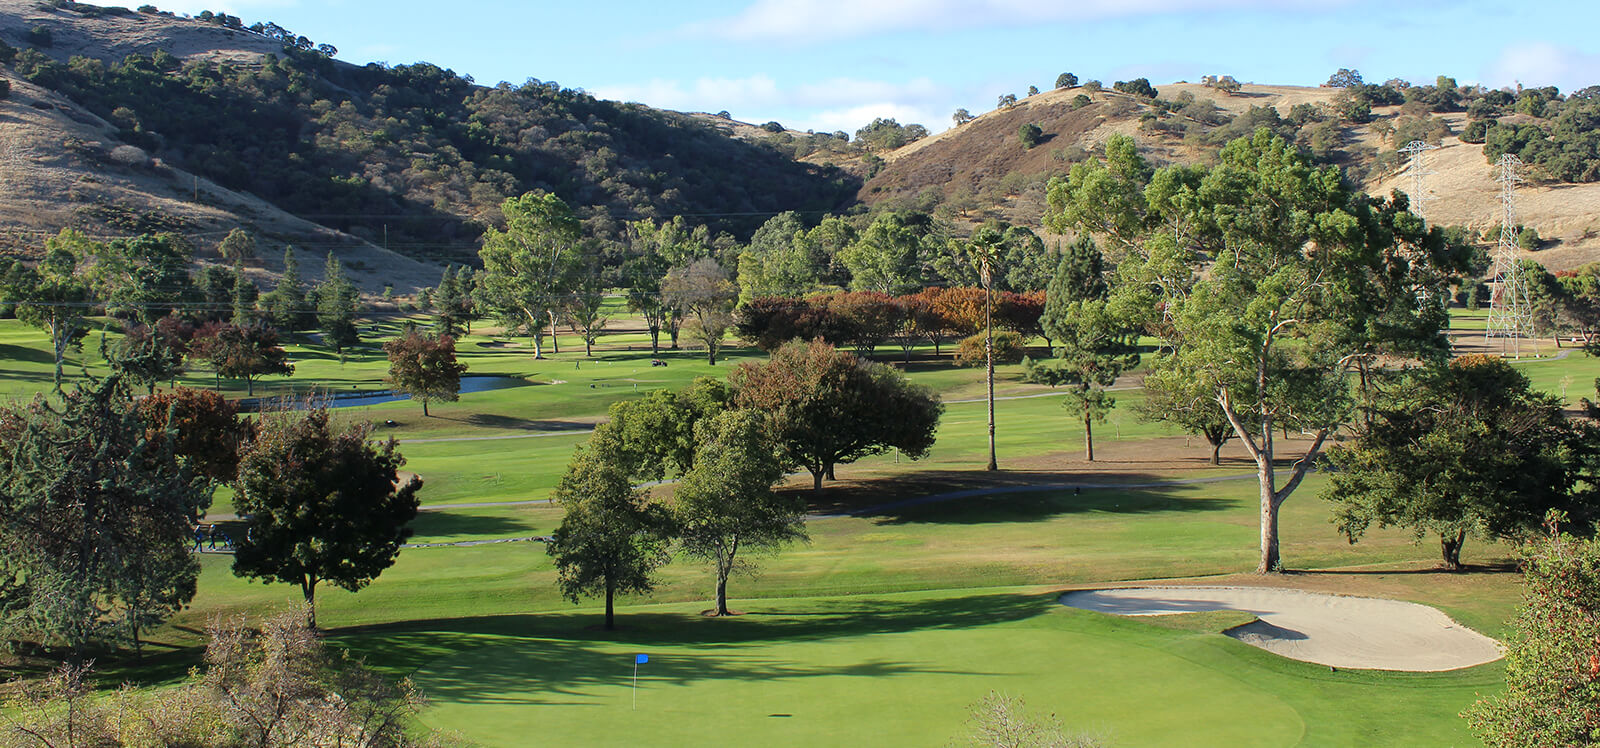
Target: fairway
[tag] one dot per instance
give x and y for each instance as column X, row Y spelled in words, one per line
column 901, row 670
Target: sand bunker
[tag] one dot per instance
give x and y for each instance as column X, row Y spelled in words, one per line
column 1350, row 632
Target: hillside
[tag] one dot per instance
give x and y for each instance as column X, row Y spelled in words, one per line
column 309, row 151
column 981, row 170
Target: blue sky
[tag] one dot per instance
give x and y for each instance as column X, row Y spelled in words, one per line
column 836, row 64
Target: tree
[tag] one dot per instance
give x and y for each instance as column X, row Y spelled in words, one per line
column 706, row 296
column 1187, row 404
column 1033, row 90
column 323, row 504
column 1066, row 80
column 1006, row 101
column 143, row 277
column 285, row 305
column 586, row 311
column 1136, row 87
column 244, row 297
column 94, row 520
column 887, row 258
column 54, row 296
column 1095, row 344
column 451, row 302
column 982, row 251
column 962, row 117
column 1223, row 83
column 204, row 429
column 777, row 262
column 612, row 538
column 1552, row 658
column 654, row 436
column 424, row 367
column 830, row 407
column 1464, row 449
column 1029, row 134
column 861, row 318
column 528, row 265
column 336, row 299
column 1344, row 78
column 1310, row 283
column 726, row 507
column 238, row 245
column 241, row 352
column 144, row 356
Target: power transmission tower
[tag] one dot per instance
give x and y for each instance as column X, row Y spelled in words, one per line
column 1510, row 308
column 1417, row 151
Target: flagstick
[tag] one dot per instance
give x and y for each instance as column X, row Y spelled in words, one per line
column 636, row 684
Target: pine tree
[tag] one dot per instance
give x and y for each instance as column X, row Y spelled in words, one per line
column 336, row 299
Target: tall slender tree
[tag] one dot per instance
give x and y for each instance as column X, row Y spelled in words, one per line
column 55, row 295
column 337, row 303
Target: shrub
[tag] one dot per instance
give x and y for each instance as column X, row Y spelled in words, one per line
column 772, row 127
column 39, row 36
column 5, row 89
column 1030, row 135
column 1477, row 130
column 1008, row 349
column 1528, row 239
column 1080, row 101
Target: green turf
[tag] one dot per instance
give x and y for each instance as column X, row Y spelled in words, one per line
column 901, row 670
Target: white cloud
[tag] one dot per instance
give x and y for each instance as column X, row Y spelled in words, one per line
column 1543, row 64
column 828, row 105
column 818, row 20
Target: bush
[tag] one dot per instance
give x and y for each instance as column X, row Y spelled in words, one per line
column 5, row 89
column 39, row 36
column 1008, row 349
column 1080, row 101
column 1477, row 130
column 1030, row 135
column 1528, row 239
column 772, row 127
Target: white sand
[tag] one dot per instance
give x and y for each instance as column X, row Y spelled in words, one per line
column 1348, row 632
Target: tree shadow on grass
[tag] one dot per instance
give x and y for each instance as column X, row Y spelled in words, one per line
column 24, row 353
column 560, row 652
column 958, row 497
column 513, row 423
column 431, row 526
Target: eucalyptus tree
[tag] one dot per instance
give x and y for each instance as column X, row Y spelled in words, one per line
column 528, row 265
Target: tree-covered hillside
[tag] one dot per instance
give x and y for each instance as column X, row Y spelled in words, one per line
column 419, row 155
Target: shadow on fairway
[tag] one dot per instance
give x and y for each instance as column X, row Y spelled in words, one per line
column 25, row 353
column 565, row 651
column 965, row 497
column 442, row 523
column 513, row 423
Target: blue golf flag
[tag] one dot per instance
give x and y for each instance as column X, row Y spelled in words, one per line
column 640, row 659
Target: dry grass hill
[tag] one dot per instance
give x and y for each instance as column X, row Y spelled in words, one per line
column 63, row 166
column 982, row 170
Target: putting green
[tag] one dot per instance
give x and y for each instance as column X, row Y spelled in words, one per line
column 903, row 670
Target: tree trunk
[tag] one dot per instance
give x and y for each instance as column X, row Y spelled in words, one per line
column 611, row 615
column 816, row 482
column 555, row 336
column 1271, row 563
column 308, row 586
column 424, row 407
column 1088, row 433
column 1451, row 548
column 1216, row 452
column 58, row 341
column 988, row 365
column 588, row 346
column 830, row 474
column 722, row 595
column 249, row 386
column 655, row 338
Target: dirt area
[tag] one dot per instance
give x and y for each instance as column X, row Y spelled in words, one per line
column 1334, row 630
